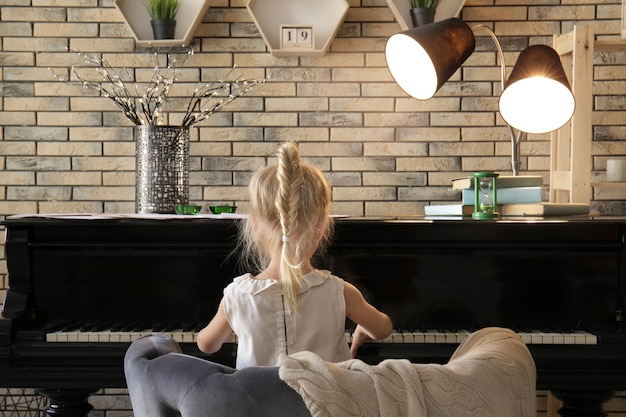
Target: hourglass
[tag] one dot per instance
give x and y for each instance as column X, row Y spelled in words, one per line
column 485, row 196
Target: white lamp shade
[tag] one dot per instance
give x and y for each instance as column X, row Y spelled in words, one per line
column 537, row 97
column 537, row 105
column 411, row 66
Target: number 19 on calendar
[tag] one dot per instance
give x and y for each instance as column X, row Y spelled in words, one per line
column 296, row 36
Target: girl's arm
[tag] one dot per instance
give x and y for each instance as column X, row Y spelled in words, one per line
column 371, row 323
column 216, row 333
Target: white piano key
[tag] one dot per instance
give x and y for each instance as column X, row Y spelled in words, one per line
column 419, row 337
column 178, row 336
column 558, row 338
column 388, row 339
column 408, row 337
column 450, row 337
column 397, row 337
column 569, row 338
column 585, row 338
column 461, row 335
column 591, row 339
column 536, row 337
column 526, row 337
column 104, row 336
column 547, row 338
column 429, row 337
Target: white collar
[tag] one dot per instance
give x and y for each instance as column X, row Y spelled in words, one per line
column 246, row 283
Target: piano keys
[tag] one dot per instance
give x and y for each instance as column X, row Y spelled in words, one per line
column 455, row 337
column 559, row 282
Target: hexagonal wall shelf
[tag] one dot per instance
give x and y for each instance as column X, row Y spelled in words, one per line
column 298, row 27
column 401, row 10
column 188, row 19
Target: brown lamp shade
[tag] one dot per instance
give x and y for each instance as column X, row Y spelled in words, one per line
column 537, row 97
column 421, row 60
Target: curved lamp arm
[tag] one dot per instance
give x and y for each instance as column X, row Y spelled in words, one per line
column 516, row 135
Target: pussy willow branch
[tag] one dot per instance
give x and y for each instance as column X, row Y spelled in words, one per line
column 212, row 96
column 147, row 107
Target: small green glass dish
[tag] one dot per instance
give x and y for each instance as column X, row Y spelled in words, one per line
column 187, row 209
column 222, row 209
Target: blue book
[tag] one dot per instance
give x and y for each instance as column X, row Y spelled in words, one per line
column 507, row 195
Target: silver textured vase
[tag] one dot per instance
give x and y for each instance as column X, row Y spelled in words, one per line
column 162, row 168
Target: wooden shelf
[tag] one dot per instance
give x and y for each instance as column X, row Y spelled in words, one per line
column 610, row 46
column 188, row 19
column 570, row 153
column 319, row 20
column 401, row 11
column 615, row 184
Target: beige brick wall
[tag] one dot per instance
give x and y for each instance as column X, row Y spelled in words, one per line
column 63, row 149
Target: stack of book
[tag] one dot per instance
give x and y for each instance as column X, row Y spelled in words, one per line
column 516, row 195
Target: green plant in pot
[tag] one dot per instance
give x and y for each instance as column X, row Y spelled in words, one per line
column 423, row 11
column 163, row 15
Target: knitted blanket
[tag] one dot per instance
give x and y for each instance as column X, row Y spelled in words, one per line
column 491, row 374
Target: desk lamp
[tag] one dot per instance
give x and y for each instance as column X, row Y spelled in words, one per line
column 536, row 99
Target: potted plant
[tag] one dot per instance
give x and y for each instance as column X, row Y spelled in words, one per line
column 163, row 15
column 423, row 11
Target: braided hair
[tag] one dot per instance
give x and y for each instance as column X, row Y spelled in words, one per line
column 289, row 218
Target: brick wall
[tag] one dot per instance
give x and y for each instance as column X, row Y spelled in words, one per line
column 63, row 149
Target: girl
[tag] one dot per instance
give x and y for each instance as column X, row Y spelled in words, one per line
column 289, row 306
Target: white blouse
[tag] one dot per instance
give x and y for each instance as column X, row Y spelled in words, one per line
column 265, row 326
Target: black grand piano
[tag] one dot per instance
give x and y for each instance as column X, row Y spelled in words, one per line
column 82, row 287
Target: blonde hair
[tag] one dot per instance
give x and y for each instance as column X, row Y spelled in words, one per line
column 289, row 214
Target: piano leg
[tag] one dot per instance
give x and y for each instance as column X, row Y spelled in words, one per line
column 583, row 403
column 68, row 402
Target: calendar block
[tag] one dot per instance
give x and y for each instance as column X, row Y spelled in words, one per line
column 296, row 36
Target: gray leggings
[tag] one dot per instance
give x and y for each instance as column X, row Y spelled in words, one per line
column 163, row 382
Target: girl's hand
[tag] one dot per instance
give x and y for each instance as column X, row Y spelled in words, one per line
column 371, row 323
column 358, row 338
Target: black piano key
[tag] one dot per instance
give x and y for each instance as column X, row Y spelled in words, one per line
column 72, row 327
column 117, row 327
column 190, row 327
column 98, row 327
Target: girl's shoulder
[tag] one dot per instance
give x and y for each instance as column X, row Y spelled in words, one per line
column 247, row 284
column 319, row 277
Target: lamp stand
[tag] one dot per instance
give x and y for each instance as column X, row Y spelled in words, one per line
column 516, row 136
